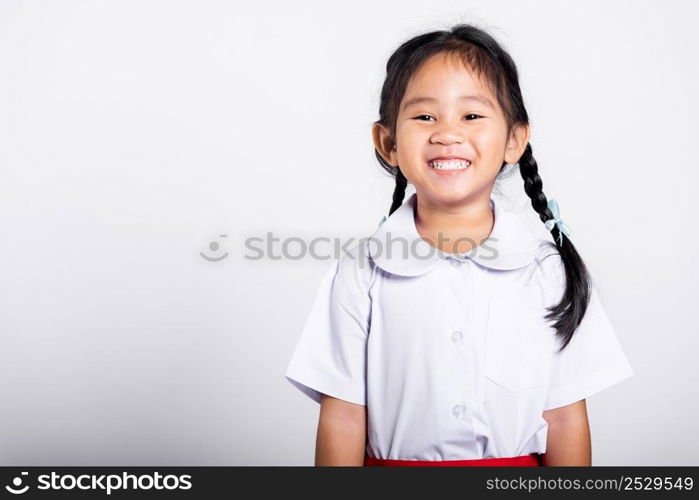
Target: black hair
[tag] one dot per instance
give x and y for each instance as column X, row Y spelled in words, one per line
column 480, row 52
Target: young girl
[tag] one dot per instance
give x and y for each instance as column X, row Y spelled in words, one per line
column 473, row 341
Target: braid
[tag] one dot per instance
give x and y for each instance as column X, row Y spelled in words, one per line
column 399, row 191
column 533, row 186
column 568, row 313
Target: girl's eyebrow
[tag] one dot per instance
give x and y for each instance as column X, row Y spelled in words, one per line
column 474, row 97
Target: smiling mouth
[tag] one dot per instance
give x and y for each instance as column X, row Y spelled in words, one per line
column 448, row 165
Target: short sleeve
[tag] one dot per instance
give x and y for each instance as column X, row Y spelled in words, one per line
column 330, row 356
column 592, row 361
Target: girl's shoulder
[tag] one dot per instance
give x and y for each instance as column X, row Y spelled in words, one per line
column 355, row 271
column 547, row 272
column 548, row 261
column 549, row 275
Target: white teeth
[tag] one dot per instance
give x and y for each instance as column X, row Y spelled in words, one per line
column 449, row 164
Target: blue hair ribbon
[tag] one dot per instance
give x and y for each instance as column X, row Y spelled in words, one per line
column 562, row 227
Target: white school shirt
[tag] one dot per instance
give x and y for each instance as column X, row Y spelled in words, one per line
column 450, row 353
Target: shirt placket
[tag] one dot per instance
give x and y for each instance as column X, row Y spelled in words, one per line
column 462, row 338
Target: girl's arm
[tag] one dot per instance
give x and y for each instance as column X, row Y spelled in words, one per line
column 568, row 439
column 341, row 438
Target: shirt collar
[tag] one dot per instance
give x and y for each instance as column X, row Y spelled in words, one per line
column 398, row 248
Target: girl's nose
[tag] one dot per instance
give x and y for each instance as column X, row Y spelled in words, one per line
column 447, row 134
column 447, row 138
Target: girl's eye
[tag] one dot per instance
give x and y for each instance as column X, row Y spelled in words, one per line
column 428, row 116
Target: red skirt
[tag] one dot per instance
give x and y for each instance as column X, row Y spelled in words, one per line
column 531, row 460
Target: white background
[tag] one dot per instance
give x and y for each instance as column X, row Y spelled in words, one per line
column 134, row 133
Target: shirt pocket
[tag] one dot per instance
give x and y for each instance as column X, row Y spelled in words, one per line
column 519, row 344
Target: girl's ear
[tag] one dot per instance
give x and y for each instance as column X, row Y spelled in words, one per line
column 519, row 138
column 384, row 144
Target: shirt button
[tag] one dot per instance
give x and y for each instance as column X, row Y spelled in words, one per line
column 457, row 336
column 454, row 263
column 458, row 410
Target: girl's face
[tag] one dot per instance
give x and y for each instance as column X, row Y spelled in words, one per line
column 446, row 111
